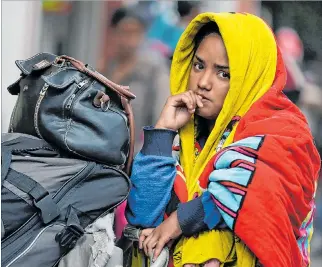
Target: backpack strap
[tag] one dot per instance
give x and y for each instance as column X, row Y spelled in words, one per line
column 24, row 142
column 42, row 199
column 6, row 157
column 19, row 143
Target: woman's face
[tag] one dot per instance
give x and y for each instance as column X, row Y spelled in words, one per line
column 210, row 75
column 129, row 34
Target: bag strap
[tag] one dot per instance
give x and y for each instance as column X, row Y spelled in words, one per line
column 123, row 91
column 42, row 199
column 128, row 109
column 120, row 89
column 24, row 142
column 6, row 158
column 20, row 143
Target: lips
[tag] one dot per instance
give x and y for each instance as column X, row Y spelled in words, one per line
column 204, row 98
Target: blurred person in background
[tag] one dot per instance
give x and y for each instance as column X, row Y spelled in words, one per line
column 144, row 70
column 167, row 28
column 134, row 64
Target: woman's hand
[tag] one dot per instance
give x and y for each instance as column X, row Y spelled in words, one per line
column 178, row 110
column 157, row 238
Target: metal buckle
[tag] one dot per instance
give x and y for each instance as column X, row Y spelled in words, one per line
column 67, row 238
column 132, row 233
column 59, row 61
column 105, row 105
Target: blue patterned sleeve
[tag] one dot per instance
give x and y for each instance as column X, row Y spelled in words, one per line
column 152, row 178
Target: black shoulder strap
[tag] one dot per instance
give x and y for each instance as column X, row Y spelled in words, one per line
column 25, row 142
column 19, row 143
column 42, row 199
column 5, row 162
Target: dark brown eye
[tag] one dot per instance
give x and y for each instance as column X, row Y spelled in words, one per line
column 198, row 66
column 224, row 75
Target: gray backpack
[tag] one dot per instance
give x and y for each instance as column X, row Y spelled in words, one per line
column 48, row 199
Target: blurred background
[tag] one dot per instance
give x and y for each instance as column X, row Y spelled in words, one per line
column 131, row 42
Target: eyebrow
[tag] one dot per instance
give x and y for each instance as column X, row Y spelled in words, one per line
column 216, row 65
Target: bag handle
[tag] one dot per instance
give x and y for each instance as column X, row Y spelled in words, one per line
column 120, row 89
column 128, row 109
column 123, row 91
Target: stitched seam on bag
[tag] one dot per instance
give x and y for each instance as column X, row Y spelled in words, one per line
column 70, row 80
column 19, row 62
column 67, row 130
column 64, row 106
column 69, row 126
column 66, row 144
column 71, row 111
column 33, row 149
column 65, row 140
column 59, row 70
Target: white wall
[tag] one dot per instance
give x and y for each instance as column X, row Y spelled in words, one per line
column 21, row 24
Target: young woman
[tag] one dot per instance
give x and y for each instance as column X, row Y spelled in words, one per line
column 239, row 188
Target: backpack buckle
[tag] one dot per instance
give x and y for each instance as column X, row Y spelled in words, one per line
column 68, row 237
column 48, row 208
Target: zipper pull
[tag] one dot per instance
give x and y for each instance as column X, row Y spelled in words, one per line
column 70, row 101
column 44, row 89
column 82, row 83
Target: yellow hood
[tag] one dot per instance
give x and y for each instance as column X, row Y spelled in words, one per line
column 252, row 55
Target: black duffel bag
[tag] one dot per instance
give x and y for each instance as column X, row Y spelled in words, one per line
column 49, row 201
column 74, row 108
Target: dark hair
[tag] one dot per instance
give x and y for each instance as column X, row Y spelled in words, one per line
column 124, row 13
column 205, row 30
column 184, row 7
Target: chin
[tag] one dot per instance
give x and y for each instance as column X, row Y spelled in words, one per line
column 206, row 114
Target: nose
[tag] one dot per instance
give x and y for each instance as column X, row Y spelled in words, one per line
column 204, row 82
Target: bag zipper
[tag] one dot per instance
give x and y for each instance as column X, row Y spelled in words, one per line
column 71, row 183
column 57, row 197
column 60, row 194
column 83, row 85
column 40, row 98
column 32, row 243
